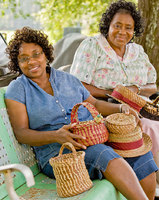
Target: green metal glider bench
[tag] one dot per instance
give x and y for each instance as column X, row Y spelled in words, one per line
column 19, row 170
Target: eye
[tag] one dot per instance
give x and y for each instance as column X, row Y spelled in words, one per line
column 117, row 26
column 36, row 54
column 23, row 59
column 129, row 28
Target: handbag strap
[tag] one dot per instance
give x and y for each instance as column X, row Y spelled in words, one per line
column 90, row 107
column 70, row 146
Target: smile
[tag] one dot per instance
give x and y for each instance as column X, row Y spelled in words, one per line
column 33, row 69
column 120, row 38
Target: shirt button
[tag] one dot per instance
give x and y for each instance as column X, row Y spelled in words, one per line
column 65, row 117
column 57, row 101
column 63, row 110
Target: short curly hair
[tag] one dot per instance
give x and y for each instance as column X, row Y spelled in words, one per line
column 121, row 6
column 28, row 35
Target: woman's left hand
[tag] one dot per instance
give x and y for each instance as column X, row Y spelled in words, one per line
column 128, row 110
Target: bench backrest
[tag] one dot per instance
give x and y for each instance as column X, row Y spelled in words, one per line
column 11, row 151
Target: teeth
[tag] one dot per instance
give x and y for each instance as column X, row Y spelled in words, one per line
column 32, row 69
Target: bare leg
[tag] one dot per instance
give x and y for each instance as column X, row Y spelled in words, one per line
column 156, row 158
column 149, row 185
column 121, row 175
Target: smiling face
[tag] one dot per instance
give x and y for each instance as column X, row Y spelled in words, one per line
column 121, row 30
column 32, row 60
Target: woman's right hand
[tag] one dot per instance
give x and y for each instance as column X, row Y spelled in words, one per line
column 64, row 135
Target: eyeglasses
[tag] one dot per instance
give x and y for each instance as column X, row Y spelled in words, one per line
column 35, row 55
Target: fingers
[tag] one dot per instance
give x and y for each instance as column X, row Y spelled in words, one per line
column 75, row 136
column 140, row 124
column 69, row 126
column 78, row 145
column 66, row 136
column 125, row 109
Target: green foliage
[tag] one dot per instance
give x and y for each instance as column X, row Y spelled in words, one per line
column 57, row 14
column 12, row 6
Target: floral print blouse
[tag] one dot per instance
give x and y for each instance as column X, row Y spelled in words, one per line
column 96, row 63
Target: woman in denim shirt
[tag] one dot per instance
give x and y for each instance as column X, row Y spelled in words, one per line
column 39, row 104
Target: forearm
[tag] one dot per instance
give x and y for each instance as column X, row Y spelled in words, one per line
column 35, row 138
column 145, row 90
column 106, row 108
column 148, row 90
column 97, row 92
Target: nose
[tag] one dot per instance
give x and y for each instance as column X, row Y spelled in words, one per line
column 122, row 31
column 30, row 60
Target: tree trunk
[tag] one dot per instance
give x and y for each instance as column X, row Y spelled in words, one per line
column 150, row 39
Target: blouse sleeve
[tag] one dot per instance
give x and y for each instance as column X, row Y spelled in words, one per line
column 151, row 74
column 15, row 91
column 85, row 59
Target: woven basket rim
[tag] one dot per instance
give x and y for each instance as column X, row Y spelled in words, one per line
column 147, row 146
column 87, row 123
column 69, row 156
column 130, row 122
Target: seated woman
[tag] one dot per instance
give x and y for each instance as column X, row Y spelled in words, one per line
column 111, row 58
column 39, row 104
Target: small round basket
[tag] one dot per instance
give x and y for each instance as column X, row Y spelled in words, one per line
column 94, row 130
column 120, row 123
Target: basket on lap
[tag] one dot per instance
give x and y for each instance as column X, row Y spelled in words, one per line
column 71, row 175
column 94, row 130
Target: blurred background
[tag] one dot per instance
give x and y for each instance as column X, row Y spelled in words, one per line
column 59, row 17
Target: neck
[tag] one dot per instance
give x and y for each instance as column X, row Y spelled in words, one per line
column 119, row 50
column 41, row 81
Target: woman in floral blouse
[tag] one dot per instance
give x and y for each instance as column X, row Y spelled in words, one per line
column 111, row 58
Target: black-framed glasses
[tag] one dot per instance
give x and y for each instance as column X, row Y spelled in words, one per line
column 25, row 59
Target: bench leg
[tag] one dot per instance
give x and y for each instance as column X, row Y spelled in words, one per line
column 9, row 185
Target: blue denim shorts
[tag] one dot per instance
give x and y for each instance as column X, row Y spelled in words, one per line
column 98, row 156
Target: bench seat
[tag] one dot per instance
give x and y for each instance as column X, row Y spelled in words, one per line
column 12, row 152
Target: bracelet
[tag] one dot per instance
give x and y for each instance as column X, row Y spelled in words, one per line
column 139, row 89
column 120, row 108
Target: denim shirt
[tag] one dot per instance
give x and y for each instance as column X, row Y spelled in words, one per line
column 47, row 112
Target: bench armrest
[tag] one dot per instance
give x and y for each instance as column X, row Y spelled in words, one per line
column 25, row 170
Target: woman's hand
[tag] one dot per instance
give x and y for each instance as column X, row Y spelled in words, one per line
column 128, row 110
column 64, row 135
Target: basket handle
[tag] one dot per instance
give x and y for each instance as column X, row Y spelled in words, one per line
column 65, row 145
column 90, row 107
column 155, row 102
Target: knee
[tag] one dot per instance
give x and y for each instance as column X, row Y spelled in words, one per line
column 149, row 185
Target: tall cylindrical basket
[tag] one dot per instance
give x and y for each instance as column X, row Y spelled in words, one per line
column 71, row 175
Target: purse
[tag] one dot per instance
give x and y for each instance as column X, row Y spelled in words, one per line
column 71, row 175
column 94, row 130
